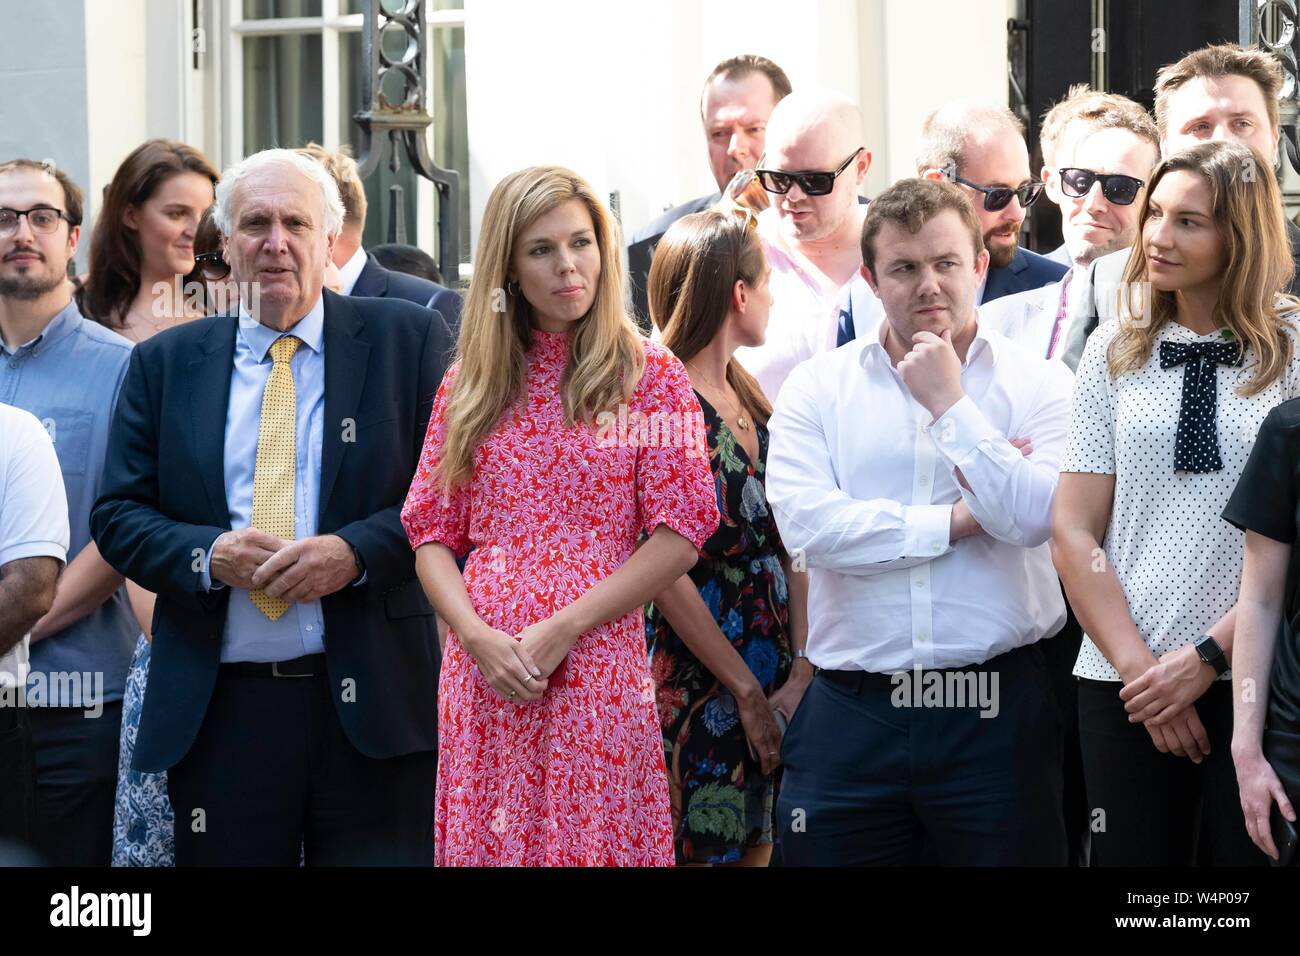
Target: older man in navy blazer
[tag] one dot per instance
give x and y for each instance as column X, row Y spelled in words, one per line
column 255, row 475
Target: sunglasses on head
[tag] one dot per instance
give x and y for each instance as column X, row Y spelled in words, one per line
column 212, row 266
column 812, row 182
column 1120, row 190
column 997, row 197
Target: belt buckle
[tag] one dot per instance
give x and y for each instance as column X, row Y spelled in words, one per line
column 275, row 671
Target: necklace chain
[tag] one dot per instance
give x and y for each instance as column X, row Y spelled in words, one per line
column 741, row 421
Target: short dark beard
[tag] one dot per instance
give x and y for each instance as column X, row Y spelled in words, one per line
column 1001, row 256
column 28, row 288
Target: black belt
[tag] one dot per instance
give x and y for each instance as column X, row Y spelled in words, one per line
column 857, row 681
column 312, row 665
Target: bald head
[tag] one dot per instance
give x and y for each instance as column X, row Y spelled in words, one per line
column 818, row 131
column 963, row 126
column 821, row 121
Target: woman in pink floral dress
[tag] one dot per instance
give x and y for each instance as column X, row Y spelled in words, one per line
column 558, row 438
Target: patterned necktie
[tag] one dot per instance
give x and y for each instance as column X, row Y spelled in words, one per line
column 276, row 470
column 1196, row 446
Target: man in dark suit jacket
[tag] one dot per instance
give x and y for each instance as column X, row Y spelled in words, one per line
column 981, row 147
column 738, row 98
column 294, row 672
column 362, row 273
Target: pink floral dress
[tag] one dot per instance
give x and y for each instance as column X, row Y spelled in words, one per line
column 578, row 777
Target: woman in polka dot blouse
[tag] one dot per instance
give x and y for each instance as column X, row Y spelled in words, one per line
column 1168, row 401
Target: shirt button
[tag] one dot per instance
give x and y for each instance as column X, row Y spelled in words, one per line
column 311, row 627
column 922, row 638
column 13, row 364
column 938, row 548
column 924, row 480
column 920, row 584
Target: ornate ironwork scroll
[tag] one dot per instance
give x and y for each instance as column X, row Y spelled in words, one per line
column 394, row 117
column 1272, row 26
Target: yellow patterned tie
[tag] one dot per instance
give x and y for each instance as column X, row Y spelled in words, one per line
column 276, row 470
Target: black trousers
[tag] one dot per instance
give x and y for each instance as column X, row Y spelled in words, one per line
column 1155, row 809
column 871, row 782
column 76, row 782
column 272, row 773
column 1061, row 652
column 17, row 777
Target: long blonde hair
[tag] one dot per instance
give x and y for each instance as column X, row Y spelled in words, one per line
column 606, row 356
column 1247, row 211
column 696, row 264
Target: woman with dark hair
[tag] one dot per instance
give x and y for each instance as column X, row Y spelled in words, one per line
column 726, row 639
column 1168, row 401
column 143, row 244
column 141, row 253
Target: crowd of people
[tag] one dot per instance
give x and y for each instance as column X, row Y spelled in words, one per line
column 921, row 547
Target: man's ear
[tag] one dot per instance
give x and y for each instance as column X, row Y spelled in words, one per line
column 871, row 280
column 74, row 236
column 933, row 173
column 863, row 165
column 330, row 240
column 1051, row 180
column 981, row 265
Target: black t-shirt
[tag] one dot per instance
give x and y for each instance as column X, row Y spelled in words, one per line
column 1267, row 501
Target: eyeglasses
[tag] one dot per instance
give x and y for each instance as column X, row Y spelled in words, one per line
column 812, row 182
column 212, row 266
column 1121, row 190
column 997, row 197
column 43, row 219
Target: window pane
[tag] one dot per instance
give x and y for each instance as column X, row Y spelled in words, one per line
column 282, row 91
column 379, row 216
column 450, row 139
column 266, row 9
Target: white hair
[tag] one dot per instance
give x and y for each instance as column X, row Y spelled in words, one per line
column 221, row 211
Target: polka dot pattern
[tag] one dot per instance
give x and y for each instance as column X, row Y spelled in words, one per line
column 1178, row 561
column 277, row 460
column 1196, row 445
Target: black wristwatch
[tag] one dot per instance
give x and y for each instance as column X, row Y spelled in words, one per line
column 1208, row 649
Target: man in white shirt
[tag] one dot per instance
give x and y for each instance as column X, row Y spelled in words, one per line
column 1098, row 153
column 33, row 549
column 813, row 168
column 913, row 472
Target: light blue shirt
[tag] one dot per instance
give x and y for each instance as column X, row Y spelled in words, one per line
column 249, row 634
column 69, row 377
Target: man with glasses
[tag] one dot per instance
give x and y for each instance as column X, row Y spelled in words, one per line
column 981, row 147
column 813, row 168
column 1098, row 152
column 1220, row 92
column 67, row 371
column 737, row 100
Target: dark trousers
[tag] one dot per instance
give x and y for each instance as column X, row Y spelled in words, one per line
column 76, row 782
column 870, row 782
column 272, row 772
column 1156, row 809
column 17, row 776
column 1061, row 652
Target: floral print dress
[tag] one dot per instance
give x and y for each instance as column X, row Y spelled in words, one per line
column 722, row 803
column 577, row 777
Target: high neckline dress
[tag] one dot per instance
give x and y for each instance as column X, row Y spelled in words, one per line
column 578, row 777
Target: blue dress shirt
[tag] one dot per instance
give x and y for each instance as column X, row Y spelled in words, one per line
column 249, row 634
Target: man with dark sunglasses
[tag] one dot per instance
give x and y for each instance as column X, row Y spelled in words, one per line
column 981, row 147
column 1098, row 152
column 1220, row 92
column 814, row 167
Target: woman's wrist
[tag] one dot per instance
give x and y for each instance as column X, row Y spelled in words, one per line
column 802, row 670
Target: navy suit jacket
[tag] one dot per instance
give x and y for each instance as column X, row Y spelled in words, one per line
column 641, row 250
column 1028, row 270
column 163, row 502
column 376, row 281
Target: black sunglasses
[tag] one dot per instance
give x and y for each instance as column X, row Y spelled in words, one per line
column 1121, row 190
column 212, row 266
column 997, row 197
column 812, row 182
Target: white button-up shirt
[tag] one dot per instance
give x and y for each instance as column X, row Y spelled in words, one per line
column 862, row 482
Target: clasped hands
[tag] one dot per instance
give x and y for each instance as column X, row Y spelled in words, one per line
column 518, row 667
column 299, row 571
column 1161, row 698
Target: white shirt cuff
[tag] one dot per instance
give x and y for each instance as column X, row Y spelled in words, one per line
column 959, row 430
column 928, row 528
column 205, row 577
